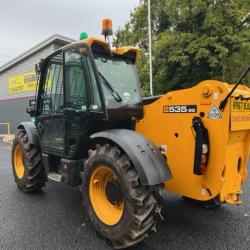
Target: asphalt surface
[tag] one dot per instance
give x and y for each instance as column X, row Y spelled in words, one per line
column 54, row 219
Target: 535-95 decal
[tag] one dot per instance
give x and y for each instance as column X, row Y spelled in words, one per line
column 180, row 109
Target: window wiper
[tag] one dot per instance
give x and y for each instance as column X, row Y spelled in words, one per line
column 110, row 88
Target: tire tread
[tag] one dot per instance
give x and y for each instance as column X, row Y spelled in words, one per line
column 35, row 177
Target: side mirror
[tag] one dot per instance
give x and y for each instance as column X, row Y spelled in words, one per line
column 31, row 110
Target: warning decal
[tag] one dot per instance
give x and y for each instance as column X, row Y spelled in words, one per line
column 214, row 113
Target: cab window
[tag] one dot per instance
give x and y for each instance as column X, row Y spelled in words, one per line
column 53, row 91
column 81, row 86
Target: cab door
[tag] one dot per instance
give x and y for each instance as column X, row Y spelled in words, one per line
column 71, row 99
column 82, row 97
column 51, row 120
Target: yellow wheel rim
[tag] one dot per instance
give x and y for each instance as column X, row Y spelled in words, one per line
column 18, row 162
column 106, row 211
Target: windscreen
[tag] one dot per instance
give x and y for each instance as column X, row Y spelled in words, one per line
column 120, row 81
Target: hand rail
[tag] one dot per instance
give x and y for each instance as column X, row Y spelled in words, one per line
column 7, row 124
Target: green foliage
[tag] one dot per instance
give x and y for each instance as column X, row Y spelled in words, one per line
column 193, row 40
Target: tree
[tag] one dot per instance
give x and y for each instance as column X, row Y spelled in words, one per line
column 193, row 40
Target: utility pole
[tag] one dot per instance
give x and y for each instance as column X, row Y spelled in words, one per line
column 150, row 49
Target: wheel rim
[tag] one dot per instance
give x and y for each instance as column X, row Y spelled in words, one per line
column 108, row 212
column 18, row 161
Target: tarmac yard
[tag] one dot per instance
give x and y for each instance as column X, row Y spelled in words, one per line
column 54, row 219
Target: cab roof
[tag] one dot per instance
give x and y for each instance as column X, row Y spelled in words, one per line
column 99, row 45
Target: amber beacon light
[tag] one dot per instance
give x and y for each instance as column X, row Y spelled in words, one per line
column 107, row 29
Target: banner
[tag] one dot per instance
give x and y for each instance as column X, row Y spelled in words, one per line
column 23, row 82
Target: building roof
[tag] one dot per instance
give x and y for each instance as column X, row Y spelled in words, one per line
column 52, row 39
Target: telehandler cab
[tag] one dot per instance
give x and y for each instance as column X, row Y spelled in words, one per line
column 93, row 129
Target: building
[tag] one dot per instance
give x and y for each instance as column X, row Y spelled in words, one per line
column 18, row 82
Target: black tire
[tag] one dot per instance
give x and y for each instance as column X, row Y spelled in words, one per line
column 210, row 204
column 140, row 204
column 34, row 177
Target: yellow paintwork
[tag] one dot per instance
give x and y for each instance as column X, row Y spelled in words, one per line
column 123, row 50
column 90, row 42
column 120, row 51
column 18, row 162
column 229, row 139
column 107, row 212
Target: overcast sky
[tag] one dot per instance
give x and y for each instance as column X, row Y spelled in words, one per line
column 24, row 23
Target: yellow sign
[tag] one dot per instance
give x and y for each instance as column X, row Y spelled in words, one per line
column 23, row 82
column 240, row 115
column 241, row 106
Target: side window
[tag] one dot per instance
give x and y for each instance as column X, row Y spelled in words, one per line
column 53, row 95
column 81, row 87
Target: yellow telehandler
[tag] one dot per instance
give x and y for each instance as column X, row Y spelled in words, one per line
column 205, row 140
column 91, row 128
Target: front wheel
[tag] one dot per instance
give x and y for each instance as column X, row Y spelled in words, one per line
column 27, row 165
column 118, row 206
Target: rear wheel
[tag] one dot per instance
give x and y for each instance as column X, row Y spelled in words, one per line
column 27, row 164
column 119, row 207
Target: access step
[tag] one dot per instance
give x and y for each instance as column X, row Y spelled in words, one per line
column 55, row 177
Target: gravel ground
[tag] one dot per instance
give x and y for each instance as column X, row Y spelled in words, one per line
column 54, row 219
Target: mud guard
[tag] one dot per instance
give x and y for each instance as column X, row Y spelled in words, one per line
column 150, row 164
column 31, row 131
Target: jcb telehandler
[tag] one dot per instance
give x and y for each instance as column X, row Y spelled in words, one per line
column 92, row 128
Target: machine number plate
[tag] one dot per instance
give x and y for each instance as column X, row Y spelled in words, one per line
column 240, row 106
column 180, row 109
